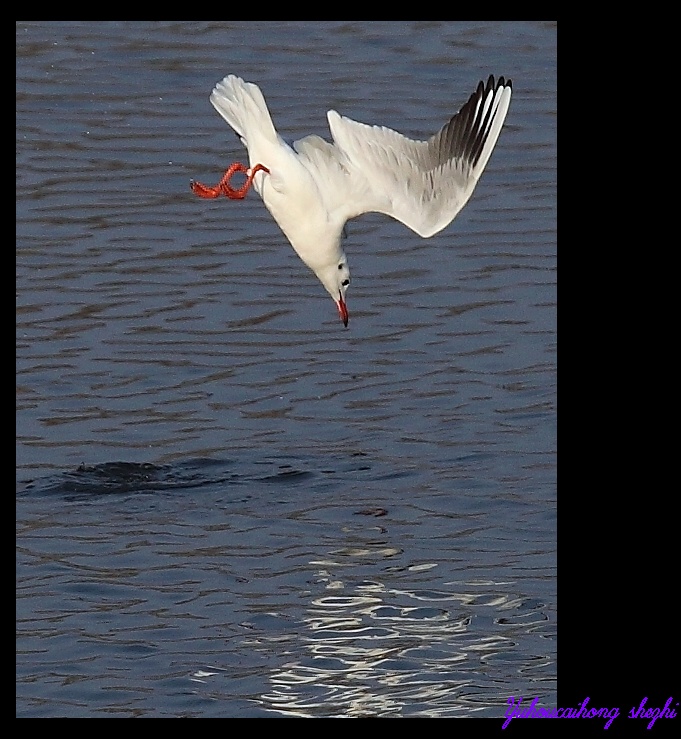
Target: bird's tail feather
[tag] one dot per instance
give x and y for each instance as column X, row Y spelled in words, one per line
column 243, row 106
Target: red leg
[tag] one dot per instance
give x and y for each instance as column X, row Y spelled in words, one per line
column 223, row 187
column 241, row 192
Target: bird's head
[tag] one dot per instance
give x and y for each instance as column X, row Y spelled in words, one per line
column 336, row 278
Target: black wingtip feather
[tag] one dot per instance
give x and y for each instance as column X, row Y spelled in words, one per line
column 465, row 134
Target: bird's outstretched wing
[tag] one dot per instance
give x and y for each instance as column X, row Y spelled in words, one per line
column 423, row 184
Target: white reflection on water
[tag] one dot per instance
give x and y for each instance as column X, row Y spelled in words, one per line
column 381, row 651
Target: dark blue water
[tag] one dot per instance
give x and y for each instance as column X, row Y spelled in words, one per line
column 227, row 504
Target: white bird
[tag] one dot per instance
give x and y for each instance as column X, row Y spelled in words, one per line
column 312, row 189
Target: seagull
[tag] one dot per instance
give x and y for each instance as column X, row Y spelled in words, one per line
column 314, row 187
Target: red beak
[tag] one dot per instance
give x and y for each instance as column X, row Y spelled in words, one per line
column 342, row 310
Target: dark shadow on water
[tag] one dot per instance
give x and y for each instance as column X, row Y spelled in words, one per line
column 126, row 478
column 116, row 478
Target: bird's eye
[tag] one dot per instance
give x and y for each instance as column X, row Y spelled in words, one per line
column 345, row 283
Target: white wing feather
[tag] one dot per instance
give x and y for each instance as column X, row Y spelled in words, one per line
column 423, row 184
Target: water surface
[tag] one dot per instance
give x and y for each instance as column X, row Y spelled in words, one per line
column 227, row 503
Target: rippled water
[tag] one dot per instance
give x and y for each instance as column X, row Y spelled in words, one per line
column 228, row 504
